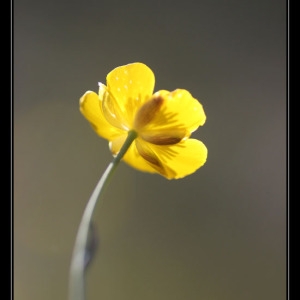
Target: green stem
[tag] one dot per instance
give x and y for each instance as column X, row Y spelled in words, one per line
column 77, row 269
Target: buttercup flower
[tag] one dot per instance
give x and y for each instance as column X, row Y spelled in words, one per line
column 163, row 121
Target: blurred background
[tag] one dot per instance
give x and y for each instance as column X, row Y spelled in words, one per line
column 219, row 234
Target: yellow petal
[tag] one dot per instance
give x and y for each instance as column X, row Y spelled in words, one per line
column 147, row 112
column 175, row 161
column 183, row 158
column 146, row 152
column 135, row 160
column 90, row 107
column 116, row 144
column 128, row 87
column 179, row 114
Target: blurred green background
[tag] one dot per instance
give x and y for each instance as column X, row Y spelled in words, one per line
column 219, row 234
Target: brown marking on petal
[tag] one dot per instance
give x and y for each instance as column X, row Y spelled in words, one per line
column 151, row 158
column 165, row 137
column 147, row 112
column 163, row 140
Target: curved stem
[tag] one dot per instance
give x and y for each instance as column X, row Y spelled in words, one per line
column 77, row 269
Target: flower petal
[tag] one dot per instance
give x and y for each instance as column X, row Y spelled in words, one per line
column 90, row 107
column 175, row 161
column 179, row 114
column 145, row 150
column 128, row 87
column 116, row 144
column 182, row 159
column 133, row 158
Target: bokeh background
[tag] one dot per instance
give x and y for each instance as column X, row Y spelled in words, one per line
column 218, row 234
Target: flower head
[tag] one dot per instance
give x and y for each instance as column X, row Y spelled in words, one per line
column 163, row 121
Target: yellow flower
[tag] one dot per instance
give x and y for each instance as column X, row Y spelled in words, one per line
column 163, row 122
